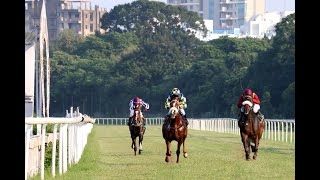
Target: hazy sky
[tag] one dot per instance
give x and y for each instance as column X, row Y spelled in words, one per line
column 271, row 5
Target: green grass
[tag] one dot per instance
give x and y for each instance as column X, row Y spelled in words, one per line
column 108, row 155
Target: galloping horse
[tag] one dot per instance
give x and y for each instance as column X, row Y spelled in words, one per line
column 136, row 129
column 250, row 129
column 177, row 130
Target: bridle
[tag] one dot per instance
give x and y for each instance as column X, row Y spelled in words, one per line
column 247, row 102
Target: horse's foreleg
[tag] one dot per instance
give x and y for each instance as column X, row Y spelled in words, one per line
column 168, row 153
column 178, row 150
column 140, row 142
column 257, row 142
column 134, row 146
column 185, row 154
column 246, row 145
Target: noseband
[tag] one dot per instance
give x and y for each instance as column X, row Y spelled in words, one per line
column 247, row 106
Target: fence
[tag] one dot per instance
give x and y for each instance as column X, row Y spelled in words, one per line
column 72, row 138
column 275, row 129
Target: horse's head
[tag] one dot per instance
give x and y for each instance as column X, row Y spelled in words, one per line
column 247, row 104
column 174, row 107
column 137, row 106
column 137, row 117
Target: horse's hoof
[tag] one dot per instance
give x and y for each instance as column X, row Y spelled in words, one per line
column 139, row 151
column 167, row 159
column 254, row 157
column 185, row 155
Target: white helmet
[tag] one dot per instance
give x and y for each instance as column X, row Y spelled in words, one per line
column 175, row 91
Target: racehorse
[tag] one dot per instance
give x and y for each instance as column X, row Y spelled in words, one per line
column 250, row 129
column 136, row 129
column 176, row 130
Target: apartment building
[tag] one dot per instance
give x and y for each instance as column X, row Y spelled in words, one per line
column 190, row 5
column 64, row 14
column 226, row 14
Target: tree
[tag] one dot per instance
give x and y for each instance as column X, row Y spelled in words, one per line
column 145, row 18
column 67, row 41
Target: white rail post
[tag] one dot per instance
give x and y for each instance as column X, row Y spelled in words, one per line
column 43, row 148
column 27, row 145
column 54, row 148
column 60, row 148
column 278, row 123
column 290, row 132
column 64, row 148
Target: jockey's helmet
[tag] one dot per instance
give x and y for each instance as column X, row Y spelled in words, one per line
column 136, row 100
column 247, row 92
column 175, row 91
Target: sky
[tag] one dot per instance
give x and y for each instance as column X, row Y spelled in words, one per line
column 271, row 5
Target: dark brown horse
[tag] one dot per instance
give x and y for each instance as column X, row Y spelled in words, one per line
column 250, row 129
column 137, row 130
column 175, row 130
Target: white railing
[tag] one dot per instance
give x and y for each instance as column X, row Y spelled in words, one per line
column 275, row 129
column 72, row 138
column 123, row 121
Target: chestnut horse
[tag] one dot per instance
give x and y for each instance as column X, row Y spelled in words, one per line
column 176, row 130
column 136, row 129
column 250, row 129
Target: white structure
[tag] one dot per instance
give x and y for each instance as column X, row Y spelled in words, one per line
column 72, row 138
column 29, row 79
column 263, row 24
column 275, row 129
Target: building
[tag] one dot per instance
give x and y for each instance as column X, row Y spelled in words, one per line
column 64, row 14
column 226, row 14
column 263, row 24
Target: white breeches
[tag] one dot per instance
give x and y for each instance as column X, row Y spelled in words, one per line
column 180, row 110
column 255, row 108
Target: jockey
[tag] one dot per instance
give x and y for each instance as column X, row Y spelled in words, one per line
column 137, row 101
column 256, row 104
column 183, row 104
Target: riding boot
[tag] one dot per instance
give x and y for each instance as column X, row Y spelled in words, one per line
column 185, row 118
column 166, row 119
column 261, row 116
column 240, row 117
column 144, row 123
column 129, row 121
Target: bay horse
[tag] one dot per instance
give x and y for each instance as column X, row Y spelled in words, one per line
column 136, row 129
column 250, row 129
column 175, row 130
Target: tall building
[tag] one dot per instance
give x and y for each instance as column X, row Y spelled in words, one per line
column 190, row 5
column 235, row 13
column 64, row 14
column 226, row 14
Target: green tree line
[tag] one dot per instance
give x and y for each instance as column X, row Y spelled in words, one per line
column 150, row 47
